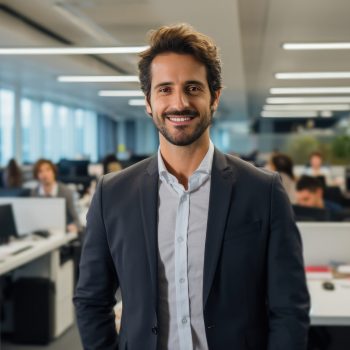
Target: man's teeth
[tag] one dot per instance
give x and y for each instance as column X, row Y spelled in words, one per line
column 179, row 119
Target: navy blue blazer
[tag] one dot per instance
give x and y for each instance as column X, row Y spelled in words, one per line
column 254, row 289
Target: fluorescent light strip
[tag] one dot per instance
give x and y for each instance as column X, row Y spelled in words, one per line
column 72, row 50
column 301, row 100
column 312, row 75
column 316, row 46
column 326, row 114
column 340, row 107
column 289, row 114
column 137, row 102
column 120, row 93
column 310, row 90
column 98, row 78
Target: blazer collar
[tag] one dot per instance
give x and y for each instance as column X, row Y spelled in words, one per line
column 149, row 213
column 223, row 178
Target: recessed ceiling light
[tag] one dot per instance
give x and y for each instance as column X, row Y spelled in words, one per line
column 316, row 46
column 120, row 93
column 300, row 107
column 137, row 102
column 340, row 107
column 72, row 50
column 98, row 78
column 289, row 114
column 301, row 100
column 313, row 75
column 326, row 114
column 310, row 90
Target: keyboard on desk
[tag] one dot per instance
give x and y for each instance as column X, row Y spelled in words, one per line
column 14, row 248
column 20, row 250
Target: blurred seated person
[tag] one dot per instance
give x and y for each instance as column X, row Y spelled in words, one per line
column 309, row 193
column 283, row 164
column 46, row 172
column 317, row 169
column 111, row 164
column 12, row 175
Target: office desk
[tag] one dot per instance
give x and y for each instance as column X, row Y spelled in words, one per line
column 43, row 260
column 330, row 307
column 40, row 247
column 324, row 242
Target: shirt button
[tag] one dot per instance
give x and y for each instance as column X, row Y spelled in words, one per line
column 184, row 320
column 180, row 239
column 182, row 280
column 155, row 330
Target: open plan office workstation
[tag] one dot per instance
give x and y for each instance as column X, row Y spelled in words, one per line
column 324, row 244
column 37, row 280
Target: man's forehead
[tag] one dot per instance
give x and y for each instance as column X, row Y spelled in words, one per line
column 172, row 66
column 171, row 60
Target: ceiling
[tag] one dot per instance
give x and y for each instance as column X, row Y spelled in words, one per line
column 248, row 32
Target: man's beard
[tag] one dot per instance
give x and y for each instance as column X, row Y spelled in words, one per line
column 183, row 138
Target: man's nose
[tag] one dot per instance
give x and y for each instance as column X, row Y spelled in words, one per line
column 181, row 100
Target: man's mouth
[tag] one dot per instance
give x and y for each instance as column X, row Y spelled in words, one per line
column 179, row 119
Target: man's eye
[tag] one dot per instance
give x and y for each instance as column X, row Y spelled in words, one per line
column 164, row 89
column 193, row 88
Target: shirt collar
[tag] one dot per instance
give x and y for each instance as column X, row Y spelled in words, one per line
column 204, row 167
column 53, row 193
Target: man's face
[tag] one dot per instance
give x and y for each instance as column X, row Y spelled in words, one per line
column 180, row 101
column 46, row 175
column 316, row 161
column 308, row 198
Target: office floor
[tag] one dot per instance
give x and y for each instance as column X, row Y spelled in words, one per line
column 68, row 341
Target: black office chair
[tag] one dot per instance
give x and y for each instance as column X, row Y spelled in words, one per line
column 333, row 194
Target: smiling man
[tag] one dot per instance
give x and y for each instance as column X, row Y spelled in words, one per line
column 203, row 245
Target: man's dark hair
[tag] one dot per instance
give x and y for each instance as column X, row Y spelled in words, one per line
column 309, row 183
column 316, row 154
column 283, row 164
column 181, row 39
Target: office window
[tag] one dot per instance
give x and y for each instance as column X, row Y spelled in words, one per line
column 49, row 132
column 7, row 121
column 31, row 130
column 57, row 131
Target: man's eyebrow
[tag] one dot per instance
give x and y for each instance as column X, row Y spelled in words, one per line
column 169, row 83
column 195, row 82
column 166, row 83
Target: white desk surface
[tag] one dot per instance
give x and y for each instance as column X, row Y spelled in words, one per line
column 40, row 247
column 330, row 307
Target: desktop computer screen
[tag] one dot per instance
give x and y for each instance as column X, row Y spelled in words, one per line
column 310, row 214
column 7, row 223
column 14, row 192
column 67, row 167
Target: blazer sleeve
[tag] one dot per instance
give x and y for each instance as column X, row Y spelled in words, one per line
column 95, row 293
column 287, row 295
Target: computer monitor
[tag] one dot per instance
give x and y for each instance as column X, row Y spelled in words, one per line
column 14, row 192
column 310, row 214
column 68, row 167
column 7, row 223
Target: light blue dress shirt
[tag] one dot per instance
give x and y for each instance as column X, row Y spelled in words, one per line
column 182, row 225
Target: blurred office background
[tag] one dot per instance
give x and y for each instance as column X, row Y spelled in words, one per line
column 286, row 70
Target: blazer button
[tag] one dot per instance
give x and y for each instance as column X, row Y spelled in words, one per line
column 155, row 330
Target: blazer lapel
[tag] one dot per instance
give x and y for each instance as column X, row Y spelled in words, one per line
column 149, row 212
column 222, row 180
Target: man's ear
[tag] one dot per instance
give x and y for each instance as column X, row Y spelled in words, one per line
column 216, row 100
column 148, row 108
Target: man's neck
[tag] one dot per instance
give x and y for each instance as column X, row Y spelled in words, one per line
column 48, row 187
column 182, row 161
